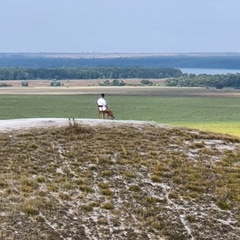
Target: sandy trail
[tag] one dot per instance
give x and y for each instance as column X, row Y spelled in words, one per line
column 23, row 124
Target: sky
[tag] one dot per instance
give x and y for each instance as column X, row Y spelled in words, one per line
column 119, row 26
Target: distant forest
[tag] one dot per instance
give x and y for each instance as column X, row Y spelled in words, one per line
column 228, row 61
column 71, row 66
column 87, row 73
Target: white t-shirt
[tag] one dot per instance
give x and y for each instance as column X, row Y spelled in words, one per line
column 102, row 102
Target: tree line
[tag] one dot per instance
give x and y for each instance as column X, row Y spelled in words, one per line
column 204, row 80
column 88, row 73
column 227, row 61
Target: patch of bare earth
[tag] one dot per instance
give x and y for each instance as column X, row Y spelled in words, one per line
column 123, row 181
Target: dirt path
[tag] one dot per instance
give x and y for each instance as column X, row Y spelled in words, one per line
column 24, row 124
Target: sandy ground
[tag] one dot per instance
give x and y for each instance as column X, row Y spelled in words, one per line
column 24, row 124
column 88, row 87
column 75, row 82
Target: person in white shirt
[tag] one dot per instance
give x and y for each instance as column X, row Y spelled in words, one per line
column 102, row 107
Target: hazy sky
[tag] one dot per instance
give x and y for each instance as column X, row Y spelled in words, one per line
column 124, row 26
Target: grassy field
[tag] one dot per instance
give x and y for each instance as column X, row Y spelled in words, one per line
column 212, row 113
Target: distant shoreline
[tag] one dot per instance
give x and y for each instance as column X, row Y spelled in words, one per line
column 117, row 55
column 210, row 71
column 220, row 60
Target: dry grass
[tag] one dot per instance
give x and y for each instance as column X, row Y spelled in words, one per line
column 119, row 182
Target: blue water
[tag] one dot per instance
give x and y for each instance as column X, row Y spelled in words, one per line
column 208, row 71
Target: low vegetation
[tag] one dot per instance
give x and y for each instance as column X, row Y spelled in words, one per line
column 218, row 81
column 117, row 82
column 121, row 181
column 3, row 84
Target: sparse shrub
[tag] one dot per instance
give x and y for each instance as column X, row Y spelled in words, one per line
column 33, row 146
column 157, row 225
column 50, row 203
column 7, row 192
column 78, row 128
column 156, row 178
column 64, row 196
column 157, row 172
column 107, row 173
column 40, row 219
column 29, row 209
column 103, row 185
column 107, row 192
column 173, row 195
column 190, row 218
column 197, row 145
column 92, row 168
column 223, row 205
column 177, row 179
column 28, row 184
column 194, row 195
column 69, row 185
column 41, row 193
column 53, row 187
column 196, row 188
column 87, row 208
column 134, row 188
column 41, row 179
column 2, row 182
column 86, row 189
column 151, row 199
column 108, row 206
column 79, row 181
column 102, row 221
column 94, row 204
column 129, row 174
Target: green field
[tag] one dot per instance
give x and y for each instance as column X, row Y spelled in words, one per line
column 219, row 114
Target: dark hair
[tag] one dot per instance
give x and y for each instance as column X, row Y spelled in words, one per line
column 102, row 95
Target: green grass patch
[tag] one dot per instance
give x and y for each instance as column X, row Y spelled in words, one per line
column 218, row 114
column 232, row 128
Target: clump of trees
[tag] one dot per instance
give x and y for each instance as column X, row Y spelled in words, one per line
column 55, row 83
column 25, row 84
column 115, row 82
column 146, row 82
column 218, row 81
column 5, row 85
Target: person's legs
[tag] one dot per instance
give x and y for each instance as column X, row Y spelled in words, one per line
column 110, row 113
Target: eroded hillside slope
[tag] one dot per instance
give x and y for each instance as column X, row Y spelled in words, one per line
column 124, row 181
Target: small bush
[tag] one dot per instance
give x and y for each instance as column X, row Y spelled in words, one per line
column 108, row 206
column 29, row 209
column 156, row 178
column 223, row 205
column 135, row 188
column 107, row 192
column 190, row 218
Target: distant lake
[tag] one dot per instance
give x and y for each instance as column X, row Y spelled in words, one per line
column 209, row 71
